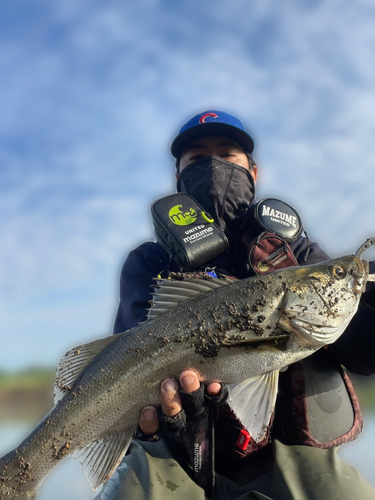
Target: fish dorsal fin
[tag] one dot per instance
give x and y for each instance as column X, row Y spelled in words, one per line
column 73, row 363
column 100, row 458
column 253, row 401
column 169, row 293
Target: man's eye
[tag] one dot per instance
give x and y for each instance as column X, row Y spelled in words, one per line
column 196, row 157
column 224, row 155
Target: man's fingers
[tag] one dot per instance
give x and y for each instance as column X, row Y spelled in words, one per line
column 189, row 381
column 213, row 389
column 192, row 395
column 170, row 398
column 217, row 393
column 148, row 421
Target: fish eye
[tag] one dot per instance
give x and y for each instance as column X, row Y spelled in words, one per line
column 338, row 272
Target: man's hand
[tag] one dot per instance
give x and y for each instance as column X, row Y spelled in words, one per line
column 186, row 414
column 170, row 399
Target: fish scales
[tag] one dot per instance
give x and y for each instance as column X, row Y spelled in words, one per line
column 245, row 329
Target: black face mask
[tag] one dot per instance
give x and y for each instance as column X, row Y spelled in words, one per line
column 225, row 190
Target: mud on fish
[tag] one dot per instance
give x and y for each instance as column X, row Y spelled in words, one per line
column 241, row 333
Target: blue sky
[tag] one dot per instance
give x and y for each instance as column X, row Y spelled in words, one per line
column 92, row 94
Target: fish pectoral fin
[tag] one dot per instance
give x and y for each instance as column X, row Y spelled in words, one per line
column 99, row 459
column 74, row 361
column 253, row 401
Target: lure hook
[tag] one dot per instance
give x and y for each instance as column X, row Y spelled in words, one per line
column 366, row 245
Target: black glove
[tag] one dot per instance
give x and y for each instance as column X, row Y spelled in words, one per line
column 190, row 434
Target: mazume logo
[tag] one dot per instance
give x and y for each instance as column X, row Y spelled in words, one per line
column 279, row 217
column 182, row 218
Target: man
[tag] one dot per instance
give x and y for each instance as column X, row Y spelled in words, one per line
column 316, row 409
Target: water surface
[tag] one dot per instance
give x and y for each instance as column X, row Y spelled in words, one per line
column 68, row 482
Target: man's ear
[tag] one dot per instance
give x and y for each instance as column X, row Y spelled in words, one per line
column 254, row 173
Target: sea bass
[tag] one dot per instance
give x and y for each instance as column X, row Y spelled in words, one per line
column 241, row 333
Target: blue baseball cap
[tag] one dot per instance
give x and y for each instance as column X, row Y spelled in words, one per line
column 212, row 122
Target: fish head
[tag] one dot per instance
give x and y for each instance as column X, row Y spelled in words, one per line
column 322, row 298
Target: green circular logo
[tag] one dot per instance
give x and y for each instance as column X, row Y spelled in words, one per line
column 182, row 218
column 262, row 266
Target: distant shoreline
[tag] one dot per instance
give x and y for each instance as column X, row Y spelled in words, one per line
column 27, row 396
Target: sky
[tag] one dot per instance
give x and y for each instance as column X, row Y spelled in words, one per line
column 92, row 94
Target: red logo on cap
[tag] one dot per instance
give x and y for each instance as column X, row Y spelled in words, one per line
column 203, row 117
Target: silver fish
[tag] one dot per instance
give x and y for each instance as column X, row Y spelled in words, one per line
column 241, row 333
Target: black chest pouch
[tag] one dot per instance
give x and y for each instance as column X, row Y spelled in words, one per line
column 186, row 231
column 275, row 216
column 276, row 224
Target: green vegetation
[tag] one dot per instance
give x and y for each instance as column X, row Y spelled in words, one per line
column 30, row 378
column 26, row 395
column 365, row 389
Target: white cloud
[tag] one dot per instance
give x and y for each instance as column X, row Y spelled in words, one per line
column 93, row 94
